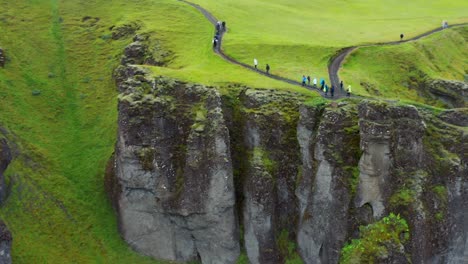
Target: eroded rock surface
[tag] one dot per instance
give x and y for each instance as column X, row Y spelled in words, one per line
column 5, row 244
column 173, row 165
column 2, row 58
column 5, row 159
column 452, row 93
column 300, row 179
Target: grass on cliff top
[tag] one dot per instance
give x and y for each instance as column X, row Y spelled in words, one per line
column 397, row 71
column 58, row 99
column 298, row 37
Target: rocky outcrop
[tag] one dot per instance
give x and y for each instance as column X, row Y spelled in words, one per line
column 144, row 51
column 5, row 235
column 5, row 159
column 2, row 58
column 6, row 241
column 458, row 117
column 269, row 207
column 451, row 93
column 124, row 30
column 298, row 180
column 326, row 186
column 173, row 165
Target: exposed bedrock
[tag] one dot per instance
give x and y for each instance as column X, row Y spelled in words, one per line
column 5, row 159
column 6, row 239
column 326, row 184
column 198, row 176
column 173, row 165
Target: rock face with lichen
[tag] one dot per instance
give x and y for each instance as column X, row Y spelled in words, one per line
column 2, row 58
column 173, row 166
column 451, row 93
column 5, row 244
column 5, row 235
column 5, row 159
column 197, row 175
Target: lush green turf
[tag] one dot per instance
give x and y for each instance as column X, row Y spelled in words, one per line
column 395, row 71
column 298, row 37
column 57, row 210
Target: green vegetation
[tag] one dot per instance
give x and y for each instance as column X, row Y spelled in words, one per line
column 288, row 249
column 58, row 99
column 400, row 71
column 376, row 240
column 262, row 157
column 299, row 38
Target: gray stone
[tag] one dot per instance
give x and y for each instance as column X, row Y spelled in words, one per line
column 176, row 198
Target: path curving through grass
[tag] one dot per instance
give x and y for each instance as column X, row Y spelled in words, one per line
column 334, row 64
column 336, row 61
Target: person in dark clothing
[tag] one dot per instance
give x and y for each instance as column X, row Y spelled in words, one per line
column 341, row 85
column 218, row 27
column 308, row 80
column 268, row 69
column 322, row 84
column 332, row 91
column 401, row 36
column 215, row 42
column 326, row 90
column 223, row 25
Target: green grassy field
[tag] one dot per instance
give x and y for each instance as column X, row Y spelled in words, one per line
column 299, row 37
column 58, row 211
column 394, row 71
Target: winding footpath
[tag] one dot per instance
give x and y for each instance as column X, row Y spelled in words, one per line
column 335, row 62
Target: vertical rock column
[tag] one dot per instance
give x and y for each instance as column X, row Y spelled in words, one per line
column 329, row 147
column 173, row 166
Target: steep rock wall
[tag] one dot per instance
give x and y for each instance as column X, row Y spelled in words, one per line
column 172, row 163
column 203, row 170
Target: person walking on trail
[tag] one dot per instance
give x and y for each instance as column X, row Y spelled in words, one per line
column 315, row 82
column 401, row 36
column 308, row 80
column 215, row 42
column 341, row 85
column 223, row 24
column 326, row 90
column 304, row 79
column 444, row 24
column 267, row 69
column 322, row 84
column 332, row 91
column 255, row 63
column 348, row 91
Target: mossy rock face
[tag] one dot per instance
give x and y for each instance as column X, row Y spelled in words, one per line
column 173, row 160
column 2, row 58
column 6, row 240
column 452, row 93
column 125, row 30
column 380, row 242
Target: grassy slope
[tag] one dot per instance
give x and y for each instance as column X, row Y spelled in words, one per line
column 298, row 38
column 393, row 71
column 58, row 211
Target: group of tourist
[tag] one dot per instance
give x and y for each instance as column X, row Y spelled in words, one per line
column 220, row 27
column 324, row 86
